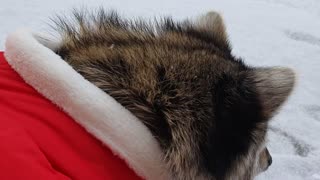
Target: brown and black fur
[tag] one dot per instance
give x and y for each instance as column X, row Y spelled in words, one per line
column 208, row 110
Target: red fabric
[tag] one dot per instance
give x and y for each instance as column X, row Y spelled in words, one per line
column 39, row 141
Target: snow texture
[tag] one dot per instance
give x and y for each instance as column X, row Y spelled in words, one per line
column 262, row 32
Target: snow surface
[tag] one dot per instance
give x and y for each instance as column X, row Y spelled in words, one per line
column 263, row 32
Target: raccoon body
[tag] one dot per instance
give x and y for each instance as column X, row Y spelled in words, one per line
column 207, row 109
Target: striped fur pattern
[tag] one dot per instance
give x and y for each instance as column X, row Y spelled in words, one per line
column 207, row 109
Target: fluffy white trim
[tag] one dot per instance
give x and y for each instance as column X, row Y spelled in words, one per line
column 32, row 57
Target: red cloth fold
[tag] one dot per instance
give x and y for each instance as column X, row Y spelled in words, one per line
column 39, row 141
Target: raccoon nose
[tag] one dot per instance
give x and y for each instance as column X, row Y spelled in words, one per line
column 269, row 160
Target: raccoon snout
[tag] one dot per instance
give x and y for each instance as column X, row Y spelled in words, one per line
column 269, row 161
column 269, row 158
column 265, row 160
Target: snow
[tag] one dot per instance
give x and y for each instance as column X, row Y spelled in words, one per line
column 263, row 32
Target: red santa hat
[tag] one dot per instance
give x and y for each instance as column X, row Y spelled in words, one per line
column 32, row 57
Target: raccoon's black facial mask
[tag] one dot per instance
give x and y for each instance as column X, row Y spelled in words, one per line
column 208, row 110
column 243, row 104
column 237, row 112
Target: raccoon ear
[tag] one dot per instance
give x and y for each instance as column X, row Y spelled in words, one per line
column 213, row 23
column 274, row 85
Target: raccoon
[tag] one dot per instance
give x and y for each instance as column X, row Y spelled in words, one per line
column 208, row 110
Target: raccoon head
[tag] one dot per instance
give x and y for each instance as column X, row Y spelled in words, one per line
column 273, row 86
column 244, row 100
column 243, row 105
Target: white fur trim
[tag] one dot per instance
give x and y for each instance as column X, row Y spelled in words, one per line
column 92, row 108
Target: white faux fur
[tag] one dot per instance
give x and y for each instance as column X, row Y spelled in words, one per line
column 89, row 106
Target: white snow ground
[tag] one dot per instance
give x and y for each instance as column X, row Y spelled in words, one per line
column 263, row 32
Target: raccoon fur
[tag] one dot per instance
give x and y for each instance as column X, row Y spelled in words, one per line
column 208, row 110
